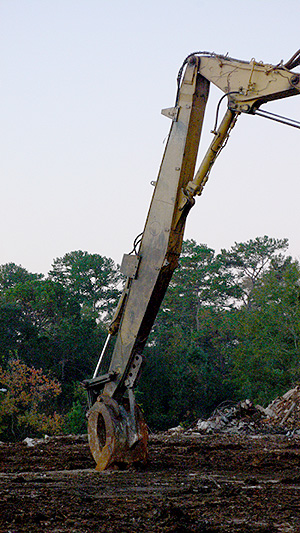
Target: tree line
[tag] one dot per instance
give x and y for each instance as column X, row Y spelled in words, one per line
column 228, row 329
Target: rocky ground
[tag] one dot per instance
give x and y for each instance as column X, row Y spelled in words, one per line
column 194, row 482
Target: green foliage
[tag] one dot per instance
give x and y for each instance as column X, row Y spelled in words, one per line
column 248, row 261
column 13, row 329
column 266, row 358
column 27, row 406
column 188, row 349
column 188, row 376
column 12, row 274
column 94, row 281
column 44, row 303
column 43, row 325
column 228, row 328
column 75, row 420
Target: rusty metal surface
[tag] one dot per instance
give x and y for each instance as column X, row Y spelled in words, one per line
column 118, row 435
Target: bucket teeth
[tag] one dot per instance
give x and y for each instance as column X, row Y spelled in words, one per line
column 118, row 434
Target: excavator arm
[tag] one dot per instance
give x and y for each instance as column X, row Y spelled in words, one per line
column 116, row 428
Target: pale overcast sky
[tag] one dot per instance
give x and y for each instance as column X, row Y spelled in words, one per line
column 82, row 86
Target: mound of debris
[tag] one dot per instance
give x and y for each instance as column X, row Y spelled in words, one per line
column 281, row 416
column 243, row 417
column 284, row 411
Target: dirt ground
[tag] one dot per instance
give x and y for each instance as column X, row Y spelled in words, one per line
column 193, row 483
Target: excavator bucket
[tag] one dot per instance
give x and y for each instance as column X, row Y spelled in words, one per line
column 117, row 434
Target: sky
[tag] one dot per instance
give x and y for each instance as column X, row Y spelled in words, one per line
column 83, row 83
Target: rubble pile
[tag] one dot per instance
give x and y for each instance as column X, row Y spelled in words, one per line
column 243, row 417
column 281, row 416
column 284, row 411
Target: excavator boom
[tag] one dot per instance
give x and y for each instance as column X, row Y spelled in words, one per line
column 116, row 428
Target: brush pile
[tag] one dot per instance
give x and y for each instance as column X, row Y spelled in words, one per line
column 281, row 416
